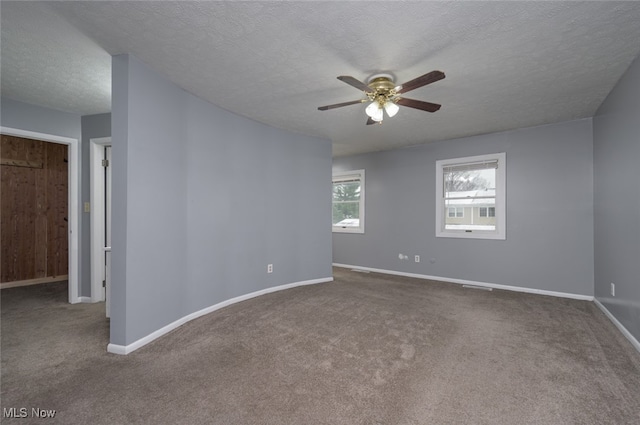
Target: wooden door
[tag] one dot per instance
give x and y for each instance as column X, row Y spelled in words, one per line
column 33, row 215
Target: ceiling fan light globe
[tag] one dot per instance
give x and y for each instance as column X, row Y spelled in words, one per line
column 373, row 109
column 391, row 108
column 378, row 116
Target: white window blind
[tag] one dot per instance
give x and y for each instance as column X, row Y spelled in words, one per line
column 472, row 166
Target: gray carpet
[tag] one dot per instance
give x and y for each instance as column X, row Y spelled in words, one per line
column 364, row 349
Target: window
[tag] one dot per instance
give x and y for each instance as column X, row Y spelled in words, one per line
column 475, row 185
column 348, row 202
column 456, row 212
column 487, row 212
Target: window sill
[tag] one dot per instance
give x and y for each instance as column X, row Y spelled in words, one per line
column 347, row 230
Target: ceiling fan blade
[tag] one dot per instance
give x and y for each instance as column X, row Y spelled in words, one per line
column 355, row 83
column 423, row 80
column 370, row 121
column 339, row 105
column 418, row 104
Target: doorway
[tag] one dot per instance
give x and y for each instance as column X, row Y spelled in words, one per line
column 71, row 225
column 100, row 158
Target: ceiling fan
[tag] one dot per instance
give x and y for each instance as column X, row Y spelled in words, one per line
column 384, row 95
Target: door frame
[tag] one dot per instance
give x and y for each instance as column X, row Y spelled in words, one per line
column 73, row 204
column 96, row 154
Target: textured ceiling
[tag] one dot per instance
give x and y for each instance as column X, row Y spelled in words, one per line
column 508, row 64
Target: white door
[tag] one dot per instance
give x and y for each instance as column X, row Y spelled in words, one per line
column 100, row 209
column 107, row 229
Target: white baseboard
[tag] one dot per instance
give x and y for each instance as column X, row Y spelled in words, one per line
column 85, row 300
column 474, row 283
column 37, row 281
column 126, row 349
column 619, row 325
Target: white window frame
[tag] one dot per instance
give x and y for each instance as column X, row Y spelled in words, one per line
column 350, row 175
column 500, row 206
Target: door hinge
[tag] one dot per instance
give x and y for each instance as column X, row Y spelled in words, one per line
column 104, row 283
column 105, row 162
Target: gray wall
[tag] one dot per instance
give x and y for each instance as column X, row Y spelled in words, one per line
column 93, row 126
column 549, row 243
column 202, row 201
column 256, row 196
column 24, row 116
column 149, row 218
column 36, row 118
column 616, row 128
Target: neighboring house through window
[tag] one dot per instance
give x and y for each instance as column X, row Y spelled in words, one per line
column 470, row 197
column 348, row 202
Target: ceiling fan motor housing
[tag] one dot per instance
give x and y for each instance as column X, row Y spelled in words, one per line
column 381, row 82
column 383, row 88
